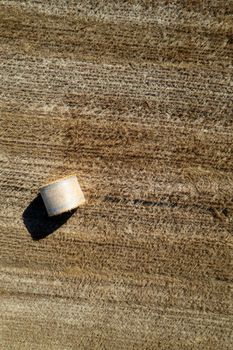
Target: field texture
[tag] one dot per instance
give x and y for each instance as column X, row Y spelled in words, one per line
column 136, row 98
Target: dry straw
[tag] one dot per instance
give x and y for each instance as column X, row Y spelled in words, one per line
column 62, row 195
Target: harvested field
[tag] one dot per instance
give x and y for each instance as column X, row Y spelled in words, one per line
column 134, row 97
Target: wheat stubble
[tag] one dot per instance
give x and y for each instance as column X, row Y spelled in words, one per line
column 136, row 99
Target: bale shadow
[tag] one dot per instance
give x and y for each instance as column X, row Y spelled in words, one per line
column 37, row 221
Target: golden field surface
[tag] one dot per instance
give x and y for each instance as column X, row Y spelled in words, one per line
column 136, row 99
